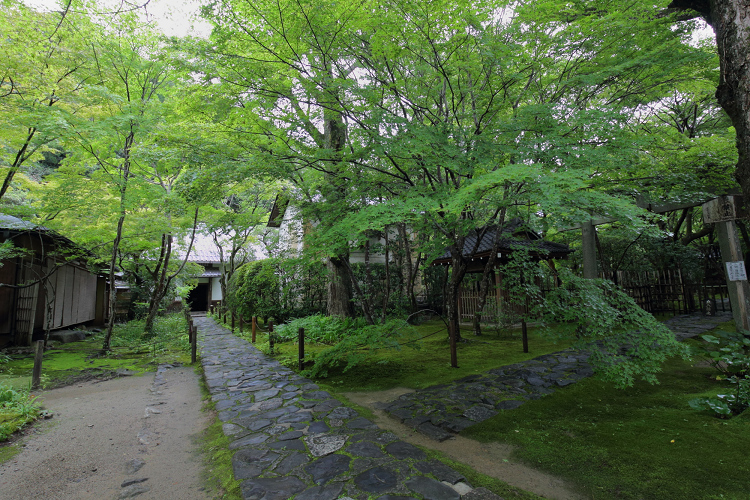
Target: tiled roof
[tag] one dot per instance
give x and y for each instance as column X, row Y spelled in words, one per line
column 524, row 237
column 10, row 222
column 204, row 249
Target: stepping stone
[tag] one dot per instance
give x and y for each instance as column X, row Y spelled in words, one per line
column 376, row 480
column 403, row 450
column 291, row 462
column 324, row 469
column 328, row 492
column 365, row 449
column 431, row 489
column 479, row 413
column 441, row 471
column 277, row 488
column 322, row 445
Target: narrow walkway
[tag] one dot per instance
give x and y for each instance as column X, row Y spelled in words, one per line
column 293, row 440
column 441, row 411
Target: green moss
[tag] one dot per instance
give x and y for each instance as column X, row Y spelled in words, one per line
column 430, row 364
column 131, row 351
column 8, row 451
column 642, row 442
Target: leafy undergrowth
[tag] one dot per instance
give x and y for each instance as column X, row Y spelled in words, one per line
column 17, row 408
column 424, row 366
column 644, row 442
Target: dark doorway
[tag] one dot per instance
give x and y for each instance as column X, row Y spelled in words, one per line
column 198, row 297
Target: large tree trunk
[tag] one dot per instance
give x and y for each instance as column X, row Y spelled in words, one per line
column 730, row 20
column 334, row 139
column 339, row 287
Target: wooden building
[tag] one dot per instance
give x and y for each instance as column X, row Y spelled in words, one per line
column 46, row 286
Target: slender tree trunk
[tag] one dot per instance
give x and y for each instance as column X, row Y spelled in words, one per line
column 410, row 274
column 112, row 287
column 339, row 287
column 387, row 291
column 160, row 288
column 106, row 346
column 458, row 271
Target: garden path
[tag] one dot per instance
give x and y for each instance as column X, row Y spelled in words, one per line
column 305, row 443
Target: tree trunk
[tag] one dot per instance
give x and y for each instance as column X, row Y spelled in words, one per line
column 387, row 291
column 730, row 20
column 106, row 345
column 487, row 273
column 458, row 270
column 410, row 274
column 112, row 288
column 160, row 287
column 339, row 287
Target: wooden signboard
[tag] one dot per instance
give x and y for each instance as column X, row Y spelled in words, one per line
column 724, row 209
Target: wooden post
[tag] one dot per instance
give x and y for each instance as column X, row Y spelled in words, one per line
column 524, row 336
column 253, row 326
column 301, row 341
column 194, row 345
column 723, row 211
column 231, row 314
column 270, row 336
column 241, row 323
column 224, row 318
column 36, row 374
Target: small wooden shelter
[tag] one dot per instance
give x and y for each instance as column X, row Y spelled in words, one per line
column 515, row 236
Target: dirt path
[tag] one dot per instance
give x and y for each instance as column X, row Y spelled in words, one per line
column 104, row 434
column 491, row 459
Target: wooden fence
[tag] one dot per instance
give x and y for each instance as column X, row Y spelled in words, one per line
column 670, row 292
column 658, row 292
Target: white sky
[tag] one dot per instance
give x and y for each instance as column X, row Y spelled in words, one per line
column 174, row 17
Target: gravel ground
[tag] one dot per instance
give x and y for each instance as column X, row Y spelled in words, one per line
column 139, row 429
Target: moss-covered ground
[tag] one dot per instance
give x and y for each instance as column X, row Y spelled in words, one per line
column 427, row 365
column 644, row 442
column 131, row 351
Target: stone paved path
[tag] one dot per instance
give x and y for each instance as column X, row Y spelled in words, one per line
column 441, row 411
column 293, row 440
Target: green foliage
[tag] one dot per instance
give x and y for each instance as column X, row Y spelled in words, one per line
column 277, row 288
column 169, row 336
column 360, row 343
column 17, row 408
column 255, row 290
column 729, row 354
column 318, row 329
column 625, row 341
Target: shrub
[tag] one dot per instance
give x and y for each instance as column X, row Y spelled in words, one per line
column 359, row 343
column 318, row 328
column 729, row 354
column 277, row 288
column 625, row 341
column 17, row 408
